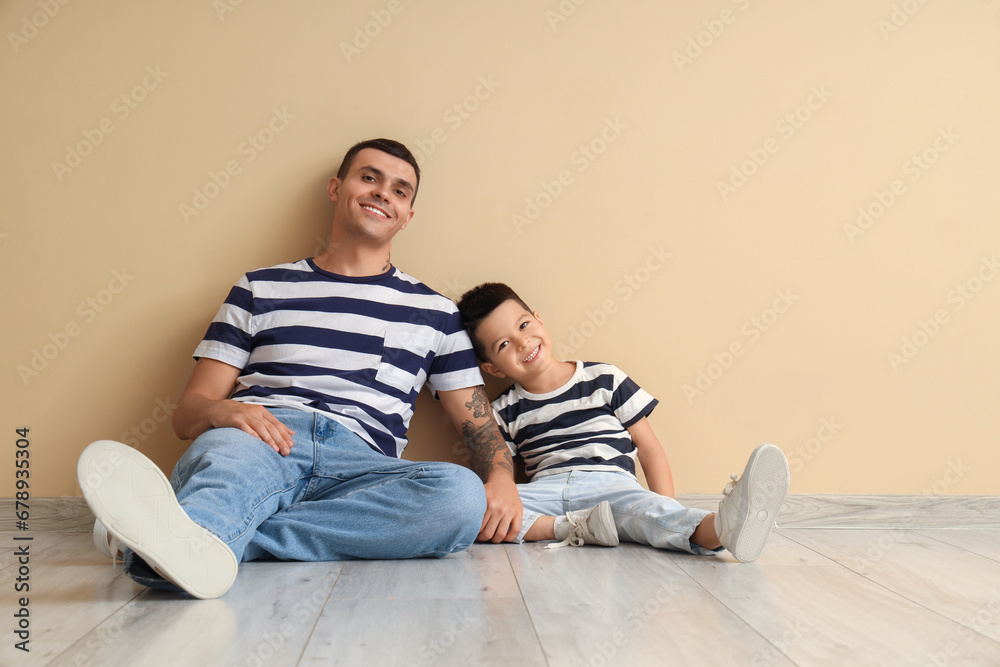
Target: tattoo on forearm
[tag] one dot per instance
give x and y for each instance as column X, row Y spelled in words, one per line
column 479, row 405
column 484, row 443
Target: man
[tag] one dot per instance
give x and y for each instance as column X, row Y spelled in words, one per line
column 298, row 407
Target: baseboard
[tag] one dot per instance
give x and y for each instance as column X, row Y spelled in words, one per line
column 821, row 510
column 71, row 514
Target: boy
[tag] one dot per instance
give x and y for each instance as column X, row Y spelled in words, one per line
column 579, row 427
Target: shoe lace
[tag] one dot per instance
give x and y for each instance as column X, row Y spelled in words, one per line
column 574, row 539
column 734, row 479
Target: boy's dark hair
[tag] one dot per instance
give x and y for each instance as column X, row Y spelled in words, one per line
column 393, row 148
column 476, row 305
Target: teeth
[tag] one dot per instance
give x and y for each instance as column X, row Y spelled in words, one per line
column 532, row 355
column 374, row 210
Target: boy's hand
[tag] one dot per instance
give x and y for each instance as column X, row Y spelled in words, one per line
column 502, row 521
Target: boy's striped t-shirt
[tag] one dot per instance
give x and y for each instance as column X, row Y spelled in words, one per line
column 356, row 349
column 579, row 426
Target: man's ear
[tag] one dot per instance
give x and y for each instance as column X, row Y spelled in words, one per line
column 492, row 370
column 409, row 216
column 333, row 189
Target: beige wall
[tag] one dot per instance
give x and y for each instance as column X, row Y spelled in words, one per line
column 675, row 186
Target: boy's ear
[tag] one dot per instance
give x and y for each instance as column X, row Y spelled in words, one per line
column 537, row 316
column 492, row 370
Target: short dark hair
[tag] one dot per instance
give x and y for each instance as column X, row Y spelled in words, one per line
column 393, row 148
column 477, row 304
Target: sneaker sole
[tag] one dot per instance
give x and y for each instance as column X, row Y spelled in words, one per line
column 134, row 502
column 766, row 478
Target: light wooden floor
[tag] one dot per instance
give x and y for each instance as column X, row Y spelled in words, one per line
column 816, row 597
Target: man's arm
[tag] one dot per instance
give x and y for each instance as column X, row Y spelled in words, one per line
column 652, row 458
column 472, row 415
column 205, row 404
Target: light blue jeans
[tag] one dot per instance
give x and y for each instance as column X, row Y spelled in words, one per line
column 641, row 515
column 332, row 498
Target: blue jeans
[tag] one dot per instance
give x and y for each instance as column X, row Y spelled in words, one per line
column 333, row 497
column 641, row 515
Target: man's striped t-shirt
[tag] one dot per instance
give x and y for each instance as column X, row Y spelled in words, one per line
column 579, row 426
column 356, row 349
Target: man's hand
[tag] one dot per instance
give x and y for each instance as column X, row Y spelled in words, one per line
column 255, row 420
column 205, row 404
column 472, row 415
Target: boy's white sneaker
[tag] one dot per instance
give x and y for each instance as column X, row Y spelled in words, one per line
column 752, row 502
column 593, row 526
column 135, row 505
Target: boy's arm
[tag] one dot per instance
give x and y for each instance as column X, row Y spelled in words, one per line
column 472, row 415
column 652, row 458
column 204, row 404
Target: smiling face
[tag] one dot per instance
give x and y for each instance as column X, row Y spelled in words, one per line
column 517, row 345
column 373, row 200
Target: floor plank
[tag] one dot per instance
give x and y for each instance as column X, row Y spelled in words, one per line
column 822, row 615
column 72, row 590
column 442, row 631
column 460, row 610
column 627, row 605
column 480, row 571
column 986, row 543
column 956, row 583
column 265, row 618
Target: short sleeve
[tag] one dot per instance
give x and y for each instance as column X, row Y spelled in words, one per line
column 229, row 336
column 629, row 401
column 454, row 365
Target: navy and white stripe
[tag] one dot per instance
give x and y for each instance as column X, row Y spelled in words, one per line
column 358, row 349
column 580, row 426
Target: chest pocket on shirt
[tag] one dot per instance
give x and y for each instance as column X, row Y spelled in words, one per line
column 403, row 353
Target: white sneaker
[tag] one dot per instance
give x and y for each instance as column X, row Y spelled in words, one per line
column 134, row 504
column 593, row 526
column 106, row 543
column 752, row 502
